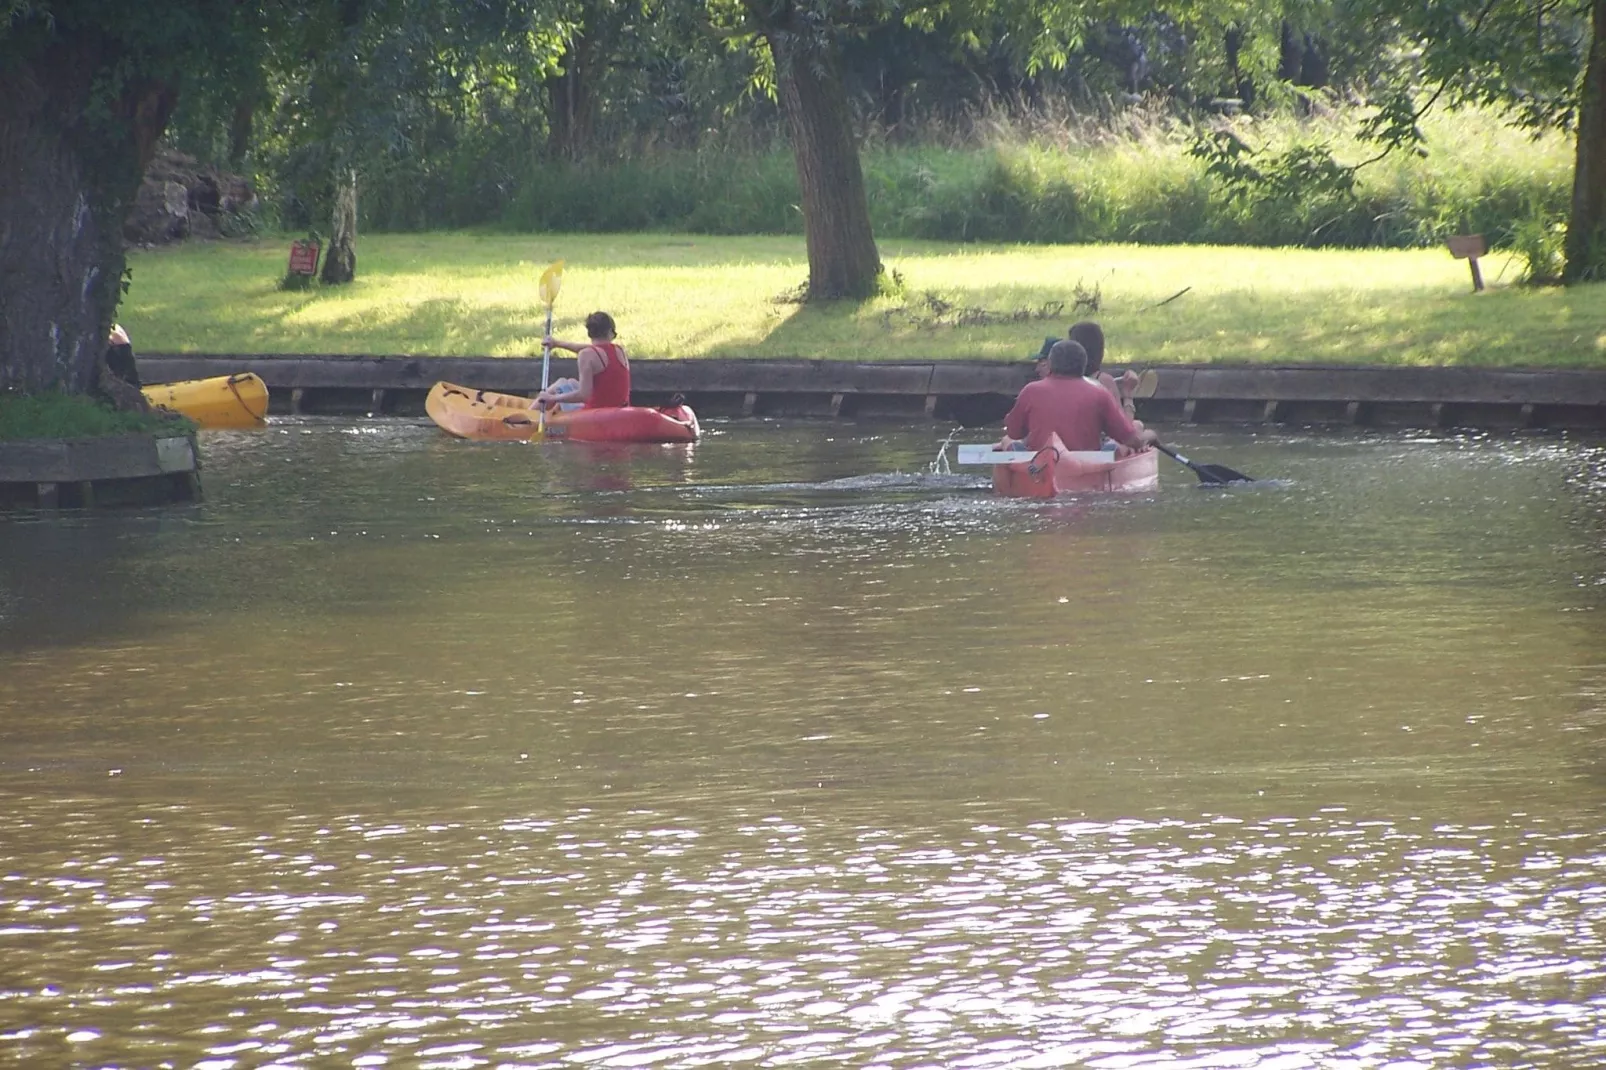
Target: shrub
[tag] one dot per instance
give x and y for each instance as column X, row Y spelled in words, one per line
column 1142, row 175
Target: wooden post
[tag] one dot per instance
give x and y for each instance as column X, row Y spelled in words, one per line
column 1469, row 247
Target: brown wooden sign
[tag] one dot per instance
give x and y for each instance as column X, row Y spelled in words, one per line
column 304, row 257
column 1469, row 247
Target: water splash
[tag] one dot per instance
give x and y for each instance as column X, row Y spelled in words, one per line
column 939, row 467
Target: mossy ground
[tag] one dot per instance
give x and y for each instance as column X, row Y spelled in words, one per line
column 57, row 415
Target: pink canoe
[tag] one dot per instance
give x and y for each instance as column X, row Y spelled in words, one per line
column 1056, row 470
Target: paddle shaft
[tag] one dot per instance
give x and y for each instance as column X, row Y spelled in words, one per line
column 546, row 372
column 546, row 350
column 1174, row 455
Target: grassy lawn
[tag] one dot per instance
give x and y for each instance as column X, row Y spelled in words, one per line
column 697, row 296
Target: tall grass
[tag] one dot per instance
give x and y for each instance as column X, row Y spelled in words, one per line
column 1073, row 178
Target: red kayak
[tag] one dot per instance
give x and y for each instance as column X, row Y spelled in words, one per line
column 632, row 423
column 486, row 414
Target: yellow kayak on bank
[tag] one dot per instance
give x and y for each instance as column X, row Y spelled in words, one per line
column 224, row 401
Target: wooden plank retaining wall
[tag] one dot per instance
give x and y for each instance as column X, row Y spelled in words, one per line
column 967, row 392
column 135, row 468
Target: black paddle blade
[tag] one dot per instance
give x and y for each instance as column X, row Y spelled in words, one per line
column 1217, row 474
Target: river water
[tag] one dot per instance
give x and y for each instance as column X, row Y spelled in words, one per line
column 778, row 750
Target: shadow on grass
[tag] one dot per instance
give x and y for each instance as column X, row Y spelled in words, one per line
column 1550, row 329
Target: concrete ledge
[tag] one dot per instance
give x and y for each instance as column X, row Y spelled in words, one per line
column 1386, row 397
column 107, row 470
column 969, row 392
column 1481, row 385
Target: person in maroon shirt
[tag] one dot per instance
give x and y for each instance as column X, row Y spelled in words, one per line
column 603, row 366
column 1079, row 411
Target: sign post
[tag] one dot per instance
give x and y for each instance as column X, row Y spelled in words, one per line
column 1469, row 247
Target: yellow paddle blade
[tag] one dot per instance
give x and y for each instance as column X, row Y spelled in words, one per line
column 551, row 283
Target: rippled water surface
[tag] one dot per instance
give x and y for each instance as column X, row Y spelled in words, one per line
column 778, row 750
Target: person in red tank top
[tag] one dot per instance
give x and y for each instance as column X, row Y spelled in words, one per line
column 603, row 368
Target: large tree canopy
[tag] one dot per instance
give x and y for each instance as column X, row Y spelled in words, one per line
column 805, row 40
column 87, row 88
column 390, row 87
column 1542, row 61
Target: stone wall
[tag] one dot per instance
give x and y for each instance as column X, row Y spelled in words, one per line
column 182, row 198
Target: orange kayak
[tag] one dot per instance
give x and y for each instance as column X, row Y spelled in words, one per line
column 1056, row 470
column 486, row 414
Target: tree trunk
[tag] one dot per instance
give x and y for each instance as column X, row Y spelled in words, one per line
column 843, row 259
column 1291, row 53
column 240, row 132
column 1586, row 227
column 340, row 264
column 1242, row 85
column 70, row 174
column 573, row 104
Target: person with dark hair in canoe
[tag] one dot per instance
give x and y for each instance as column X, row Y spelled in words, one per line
column 1079, row 411
column 603, row 365
column 1091, row 337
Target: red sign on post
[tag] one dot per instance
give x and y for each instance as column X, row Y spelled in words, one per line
column 304, row 257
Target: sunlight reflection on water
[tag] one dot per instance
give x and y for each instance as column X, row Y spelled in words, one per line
column 610, row 936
